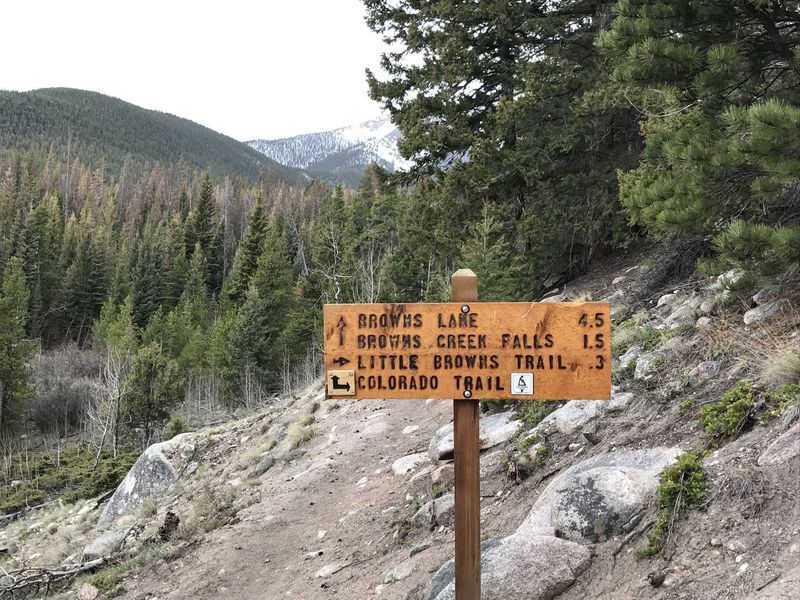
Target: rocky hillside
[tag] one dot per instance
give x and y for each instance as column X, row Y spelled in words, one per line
column 684, row 486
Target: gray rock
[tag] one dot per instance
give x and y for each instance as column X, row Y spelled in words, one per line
column 331, row 569
column 683, row 316
column 704, row 371
column 494, row 429
column 264, row 465
column 631, row 354
column 704, row 323
column 574, row 414
column 708, row 307
column 599, row 497
column 444, row 476
column 401, row 571
column 668, row 299
column 420, row 483
column 694, row 302
column 730, row 279
column 785, row 448
column 106, row 544
column 647, row 365
column 619, row 401
column 447, row 572
column 766, row 311
column 409, row 463
column 150, row 477
column 86, row 591
column 436, row 512
column 767, row 294
column 676, row 345
column 520, row 567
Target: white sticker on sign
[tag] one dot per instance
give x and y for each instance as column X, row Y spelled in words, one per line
column 522, row 383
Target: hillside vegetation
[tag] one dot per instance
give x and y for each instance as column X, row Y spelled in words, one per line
column 106, row 131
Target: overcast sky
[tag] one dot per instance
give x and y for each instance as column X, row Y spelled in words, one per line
column 247, row 68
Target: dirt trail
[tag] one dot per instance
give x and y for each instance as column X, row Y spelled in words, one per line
column 344, row 486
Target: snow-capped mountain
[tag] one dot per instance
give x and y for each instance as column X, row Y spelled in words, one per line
column 340, row 154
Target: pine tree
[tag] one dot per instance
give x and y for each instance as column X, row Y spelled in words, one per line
column 244, row 264
column 175, row 263
column 114, row 329
column 723, row 119
column 500, row 102
column 15, row 349
column 42, row 250
column 488, row 253
column 152, row 389
column 194, row 299
column 253, row 340
column 219, row 355
column 262, row 318
column 86, row 279
column 183, row 205
column 203, row 227
column 147, row 282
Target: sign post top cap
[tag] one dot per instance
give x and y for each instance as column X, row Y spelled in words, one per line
column 464, row 273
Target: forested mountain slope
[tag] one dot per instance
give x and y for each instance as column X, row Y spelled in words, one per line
column 102, row 129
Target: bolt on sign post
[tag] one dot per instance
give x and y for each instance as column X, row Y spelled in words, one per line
column 468, row 351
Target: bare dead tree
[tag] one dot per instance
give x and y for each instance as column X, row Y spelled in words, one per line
column 331, row 272
column 368, row 275
column 296, row 238
column 252, row 391
column 102, row 415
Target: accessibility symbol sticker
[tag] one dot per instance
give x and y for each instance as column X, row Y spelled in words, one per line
column 522, row 384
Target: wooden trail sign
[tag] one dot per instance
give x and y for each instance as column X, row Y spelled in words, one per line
column 468, row 351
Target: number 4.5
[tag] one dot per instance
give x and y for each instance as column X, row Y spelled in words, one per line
column 599, row 320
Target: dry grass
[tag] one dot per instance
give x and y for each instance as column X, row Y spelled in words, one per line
column 300, row 429
column 255, row 453
column 298, row 432
column 211, row 509
column 782, row 370
column 765, row 352
column 748, row 486
column 47, row 537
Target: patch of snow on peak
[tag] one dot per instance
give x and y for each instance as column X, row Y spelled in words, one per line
column 342, row 149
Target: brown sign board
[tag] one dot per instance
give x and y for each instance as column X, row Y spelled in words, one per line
column 474, row 350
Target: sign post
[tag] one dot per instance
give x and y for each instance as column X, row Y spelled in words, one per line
column 467, row 351
column 466, row 436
